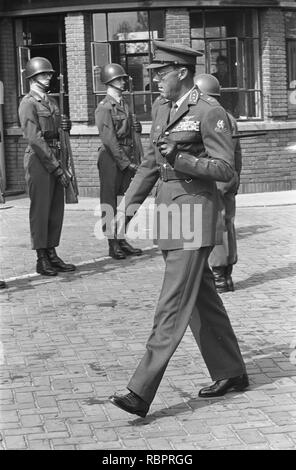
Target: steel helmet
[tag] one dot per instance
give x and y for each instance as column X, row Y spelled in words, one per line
column 208, row 84
column 38, row 65
column 111, row 71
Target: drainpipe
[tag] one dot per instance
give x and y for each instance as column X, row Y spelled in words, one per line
column 2, row 158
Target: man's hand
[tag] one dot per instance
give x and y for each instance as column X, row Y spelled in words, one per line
column 61, row 176
column 168, row 149
column 133, row 167
column 136, row 124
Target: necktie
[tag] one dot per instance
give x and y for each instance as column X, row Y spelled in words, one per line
column 173, row 111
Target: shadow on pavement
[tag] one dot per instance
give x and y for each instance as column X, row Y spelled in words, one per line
column 249, row 230
column 270, row 275
column 263, row 359
column 105, row 265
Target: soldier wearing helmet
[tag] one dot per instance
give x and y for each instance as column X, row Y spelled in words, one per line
column 224, row 255
column 116, row 163
column 40, row 120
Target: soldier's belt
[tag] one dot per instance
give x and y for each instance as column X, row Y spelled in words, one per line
column 168, row 174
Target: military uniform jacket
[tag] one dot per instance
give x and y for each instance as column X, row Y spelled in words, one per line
column 206, row 152
column 40, row 122
column 115, row 128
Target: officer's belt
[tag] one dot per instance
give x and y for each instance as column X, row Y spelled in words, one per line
column 168, row 174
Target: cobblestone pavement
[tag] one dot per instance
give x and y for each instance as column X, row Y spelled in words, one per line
column 70, row 341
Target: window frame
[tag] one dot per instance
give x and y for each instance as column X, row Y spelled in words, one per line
column 131, row 94
column 241, row 41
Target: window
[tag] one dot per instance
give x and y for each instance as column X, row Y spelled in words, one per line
column 229, row 40
column 291, row 74
column 126, row 38
column 45, row 36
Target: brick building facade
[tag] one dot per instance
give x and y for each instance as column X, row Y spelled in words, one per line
column 269, row 161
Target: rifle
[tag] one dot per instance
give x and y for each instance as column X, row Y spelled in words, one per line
column 71, row 191
column 2, row 196
column 137, row 143
column 247, row 134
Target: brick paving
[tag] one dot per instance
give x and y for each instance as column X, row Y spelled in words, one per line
column 68, row 342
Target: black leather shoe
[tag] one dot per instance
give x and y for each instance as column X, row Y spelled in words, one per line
column 57, row 263
column 43, row 265
column 219, row 388
column 2, row 284
column 129, row 249
column 115, row 251
column 130, row 403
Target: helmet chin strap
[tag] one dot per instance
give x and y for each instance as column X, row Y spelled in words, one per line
column 44, row 88
column 116, row 87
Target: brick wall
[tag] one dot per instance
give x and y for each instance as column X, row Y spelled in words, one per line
column 269, row 162
column 14, row 151
column 177, row 26
column 8, row 72
column 81, row 98
column 274, row 68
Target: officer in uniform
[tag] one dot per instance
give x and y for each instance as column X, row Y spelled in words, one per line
column 40, row 121
column 190, row 149
column 115, row 161
column 224, row 255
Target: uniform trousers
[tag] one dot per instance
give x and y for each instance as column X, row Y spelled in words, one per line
column 113, row 184
column 225, row 253
column 188, row 297
column 46, row 206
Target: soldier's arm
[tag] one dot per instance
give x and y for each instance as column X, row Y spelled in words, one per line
column 217, row 165
column 33, row 134
column 108, row 137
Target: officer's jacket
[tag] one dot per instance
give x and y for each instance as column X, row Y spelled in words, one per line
column 115, row 128
column 40, row 122
column 206, row 152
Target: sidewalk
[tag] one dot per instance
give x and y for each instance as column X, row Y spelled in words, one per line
column 71, row 341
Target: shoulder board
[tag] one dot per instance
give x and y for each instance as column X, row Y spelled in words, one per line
column 194, row 96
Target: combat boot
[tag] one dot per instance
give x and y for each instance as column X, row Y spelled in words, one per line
column 114, row 249
column 228, row 277
column 220, row 279
column 43, row 265
column 57, row 263
column 129, row 249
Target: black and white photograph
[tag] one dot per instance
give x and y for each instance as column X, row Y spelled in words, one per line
column 147, row 229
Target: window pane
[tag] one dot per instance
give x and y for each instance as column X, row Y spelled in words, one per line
column 157, row 24
column 249, row 104
column 251, row 23
column 224, row 23
column 249, row 76
column 291, row 59
column 196, row 23
column 199, row 45
column 223, row 56
column 99, row 27
column 43, row 29
column 124, row 25
column 100, row 57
